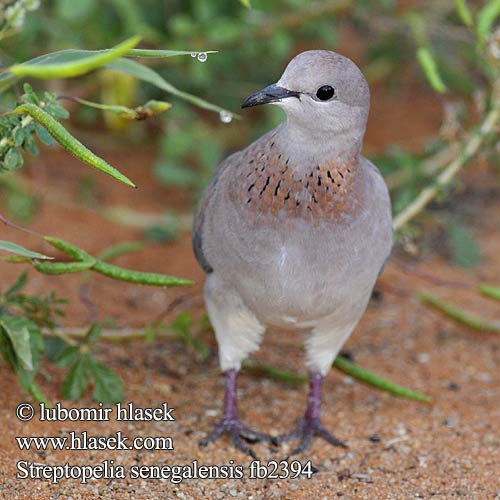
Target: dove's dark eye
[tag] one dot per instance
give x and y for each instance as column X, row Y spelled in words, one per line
column 325, row 92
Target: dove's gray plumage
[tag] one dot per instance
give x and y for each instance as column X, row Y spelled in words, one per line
column 294, row 230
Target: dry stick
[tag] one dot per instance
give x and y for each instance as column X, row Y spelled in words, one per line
column 471, row 148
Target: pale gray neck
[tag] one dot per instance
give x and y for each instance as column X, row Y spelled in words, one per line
column 305, row 148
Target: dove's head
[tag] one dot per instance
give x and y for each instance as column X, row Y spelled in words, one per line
column 321, row 92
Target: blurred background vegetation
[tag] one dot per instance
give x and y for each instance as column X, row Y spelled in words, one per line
column 254, row 45
column 444, row 51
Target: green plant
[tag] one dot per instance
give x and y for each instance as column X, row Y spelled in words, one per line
column 21, row 319
column 463, row 316
column 39, row 115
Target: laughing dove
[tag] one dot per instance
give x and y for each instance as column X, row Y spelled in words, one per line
column 293, row 232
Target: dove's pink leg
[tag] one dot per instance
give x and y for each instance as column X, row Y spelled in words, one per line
column 230, row 423
column 310, row 424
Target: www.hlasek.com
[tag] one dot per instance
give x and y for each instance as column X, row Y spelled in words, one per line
column 108, row 469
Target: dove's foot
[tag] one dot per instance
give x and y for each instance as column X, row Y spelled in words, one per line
column 230, row 423
column 237, row 433
column 310, row 424
column 306, row 430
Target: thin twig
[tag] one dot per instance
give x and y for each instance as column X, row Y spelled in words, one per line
column 7, row 222
column 109, row 335
column 471, row 148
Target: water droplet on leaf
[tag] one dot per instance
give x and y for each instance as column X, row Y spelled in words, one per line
column 202, row 56
column 225, row 117
column 194, row 54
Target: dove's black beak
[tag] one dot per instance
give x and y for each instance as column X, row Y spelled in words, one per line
column 273, row 93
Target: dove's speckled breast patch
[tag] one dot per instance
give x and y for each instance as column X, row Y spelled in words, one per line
column 271, row 184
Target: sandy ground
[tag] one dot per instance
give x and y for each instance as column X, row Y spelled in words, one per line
column 398, row 449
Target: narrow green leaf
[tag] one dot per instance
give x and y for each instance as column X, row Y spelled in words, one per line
column 164, row 53
column 8, row 246
column 108, row 388
column 18, row 285
column 16, row 329
column 490, row 291
column 246, row 3
column 120, row 249
column 76, row 380
column 377, row 381
column 464, row 12
column 458, row 314
column 149, row 75
column 38, row 394
column 93, row 333
column 70, row 143
column 429, row 66
column 486, row 17
column 73, row 67
column 344, row 366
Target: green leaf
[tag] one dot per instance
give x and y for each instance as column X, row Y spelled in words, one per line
column 43, row 135
column 76, row 380
column 164, row 53
column 16, row 249
column 18, row 285
column 16, row 329
column 486, row 17
column 490, row 291
column 430, row 68
column 463, row 247
column 375, row 380
column 37, row 393
column 464, row 12
column 149, row 75
column 108, row 387
column 37, row 345
column 12, row 159
column 68, row 356
column 70, row 143
column 120, row 249
column 54, row 347
column 52, row 67
column 93, row 333
column 462, row 316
